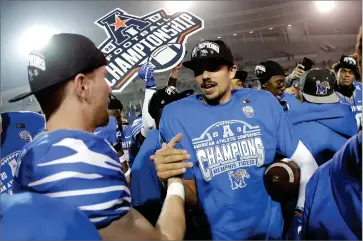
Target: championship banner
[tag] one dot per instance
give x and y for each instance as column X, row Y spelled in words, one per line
column 132, row 41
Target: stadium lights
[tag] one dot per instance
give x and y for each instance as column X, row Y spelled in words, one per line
column 218, row 37
column 177, row 6
column 35, row 38
column 325, row 6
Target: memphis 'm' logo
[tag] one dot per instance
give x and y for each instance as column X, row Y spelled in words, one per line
column 322, row 87
column 157, row 38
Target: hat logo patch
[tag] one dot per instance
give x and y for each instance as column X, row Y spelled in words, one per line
column 37, row 61
column 204, row 48
column 248, row 111
column 203, row 52
column 260, row 69
column 322, row 87
column 350, row 60
column 171, row 90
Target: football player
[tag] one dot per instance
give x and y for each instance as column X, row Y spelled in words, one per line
column 333, row 205
column 147, row 192
column 72, row 164
column 272, row 76
column 321, row 115
column 348, row 88
column 18, row 129
column 239, row 79
column 112, row 133
column 231, row 137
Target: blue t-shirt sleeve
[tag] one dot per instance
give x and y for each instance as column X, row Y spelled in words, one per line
column 169, row 127
column 82, row 171
column 287, row 140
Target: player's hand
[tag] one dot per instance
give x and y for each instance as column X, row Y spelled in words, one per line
column 146, row 73
column 169, row 162
column 296, row 226
column 298, row 72
column 175, row 70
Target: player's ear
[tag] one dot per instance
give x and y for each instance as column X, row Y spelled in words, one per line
column 232, row 71
column 82, row 86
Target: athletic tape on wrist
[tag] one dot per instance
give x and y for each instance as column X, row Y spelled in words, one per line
column 122, row 159
column 176, row 189
column 128, row 172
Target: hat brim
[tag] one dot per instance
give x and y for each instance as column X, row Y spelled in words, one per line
column 331, row 99
column 346, row 66
column 21, row 96
column 192, row 64
column 184, row 94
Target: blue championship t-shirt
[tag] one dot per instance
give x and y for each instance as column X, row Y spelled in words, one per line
column 78, row 168
column 19, row 128
column 231, row 145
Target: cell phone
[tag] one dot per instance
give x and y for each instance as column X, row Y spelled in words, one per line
column 307, row 63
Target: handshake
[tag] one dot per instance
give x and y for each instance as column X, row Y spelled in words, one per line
column 169, row 162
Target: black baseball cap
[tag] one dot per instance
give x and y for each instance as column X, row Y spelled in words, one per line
column 241, row 75
column 265, row 70
column 347, row 62
column 64, row 56
column 165, row 96
column 317, row 86
column 209, row 50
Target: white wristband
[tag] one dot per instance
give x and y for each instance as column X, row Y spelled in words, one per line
column 176, row 189
column 128, row 172
column 122, row 159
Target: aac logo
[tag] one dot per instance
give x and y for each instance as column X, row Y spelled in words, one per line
column 157, row 38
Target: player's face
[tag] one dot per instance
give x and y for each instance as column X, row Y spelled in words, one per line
column 214, row 80
column 345, row 77
column 236, row 84
column 275, row 85
column 99, row 95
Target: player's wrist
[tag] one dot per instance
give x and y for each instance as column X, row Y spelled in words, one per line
column 174, row 75
column 174, row 180
column 175, row 188
column 299, row 210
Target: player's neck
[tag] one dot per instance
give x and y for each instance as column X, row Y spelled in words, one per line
column 70, row 120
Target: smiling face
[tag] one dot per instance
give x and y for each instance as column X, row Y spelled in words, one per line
column 275, row 85
column 214, row 79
